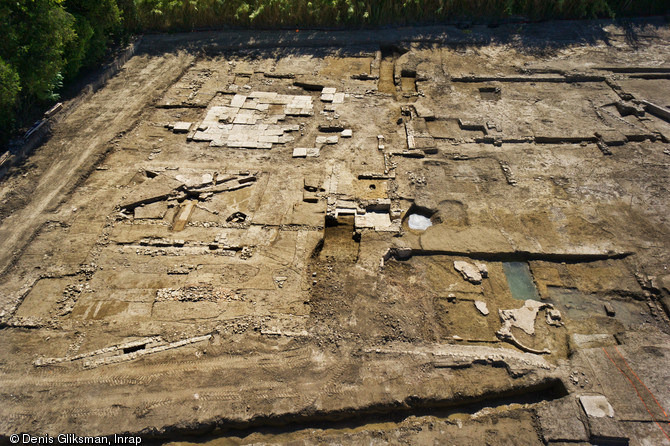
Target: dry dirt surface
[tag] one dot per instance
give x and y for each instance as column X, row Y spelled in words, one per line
column 415, row 236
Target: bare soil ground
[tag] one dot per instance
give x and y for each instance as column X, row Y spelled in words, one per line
column 216, row 247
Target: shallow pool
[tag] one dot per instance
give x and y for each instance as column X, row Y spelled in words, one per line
column 520, row 281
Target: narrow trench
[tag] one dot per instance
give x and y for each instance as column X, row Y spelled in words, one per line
column 408, row 81
column 523, row 256
column 386, row 83
column 546, row 390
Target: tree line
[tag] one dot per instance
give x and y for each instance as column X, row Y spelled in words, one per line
column 45, row 43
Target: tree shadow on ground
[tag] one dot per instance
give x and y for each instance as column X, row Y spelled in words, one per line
column 532, row 38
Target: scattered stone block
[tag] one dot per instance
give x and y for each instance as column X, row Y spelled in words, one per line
column 609, row 310
column 181, row 127
column 327, row 97
column 346, row 133
column 184, row 214
column 481, row 306
column 329, row 90
column 338, row 98
column 554, row 317
column 327, row 139
column 469, row 271
column 313, row 152
column 299, row 152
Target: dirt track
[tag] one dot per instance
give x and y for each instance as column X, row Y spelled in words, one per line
column 78, row 143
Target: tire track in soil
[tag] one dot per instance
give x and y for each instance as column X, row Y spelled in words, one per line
column 110, row 111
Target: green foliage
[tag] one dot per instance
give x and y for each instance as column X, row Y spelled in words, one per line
column 164, row 15
column 45, row 41
column 96, row 21
column 35, row 33
column 129, row 19
column 10, row 88
column 75, row 52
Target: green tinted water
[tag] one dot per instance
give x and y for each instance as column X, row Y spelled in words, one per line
column 520, row 281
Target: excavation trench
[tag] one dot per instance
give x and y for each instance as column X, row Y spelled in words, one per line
column 546, row 389
column 386, row 83
column 519, row 256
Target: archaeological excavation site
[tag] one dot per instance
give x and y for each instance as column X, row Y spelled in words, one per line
column 448, row 235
